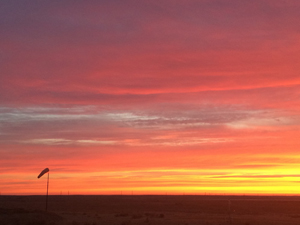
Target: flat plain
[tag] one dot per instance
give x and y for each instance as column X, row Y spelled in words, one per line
column 149, row 209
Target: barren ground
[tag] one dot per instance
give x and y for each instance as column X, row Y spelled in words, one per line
column 160, row 210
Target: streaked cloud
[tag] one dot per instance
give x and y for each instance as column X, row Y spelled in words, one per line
column 169, row 95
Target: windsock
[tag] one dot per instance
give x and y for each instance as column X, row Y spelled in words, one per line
column 43, row 172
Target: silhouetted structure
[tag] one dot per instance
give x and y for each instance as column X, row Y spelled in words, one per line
column 46, row 170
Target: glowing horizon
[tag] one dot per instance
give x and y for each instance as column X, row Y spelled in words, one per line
column 150, row 97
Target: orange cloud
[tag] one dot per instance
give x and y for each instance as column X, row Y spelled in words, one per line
column 150, row 97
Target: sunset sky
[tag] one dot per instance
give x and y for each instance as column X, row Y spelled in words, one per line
column 150, row 97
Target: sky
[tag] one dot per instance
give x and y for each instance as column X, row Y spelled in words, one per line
column 150, row 97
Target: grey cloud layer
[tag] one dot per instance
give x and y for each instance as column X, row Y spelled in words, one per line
column 91, row 126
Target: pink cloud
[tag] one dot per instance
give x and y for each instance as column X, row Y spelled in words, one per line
column 99, row 86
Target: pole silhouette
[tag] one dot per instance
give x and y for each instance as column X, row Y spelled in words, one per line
column 40, row 175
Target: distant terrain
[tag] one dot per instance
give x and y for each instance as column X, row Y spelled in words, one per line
column 160, row 210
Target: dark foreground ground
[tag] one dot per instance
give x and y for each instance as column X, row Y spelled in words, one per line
column 160, row 210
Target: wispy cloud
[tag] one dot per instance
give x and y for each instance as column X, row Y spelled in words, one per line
column 148, row 85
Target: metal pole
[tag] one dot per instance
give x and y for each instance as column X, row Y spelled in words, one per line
column 47, row 192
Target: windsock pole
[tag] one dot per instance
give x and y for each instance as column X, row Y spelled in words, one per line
column 46, row 170
column 47, row 192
